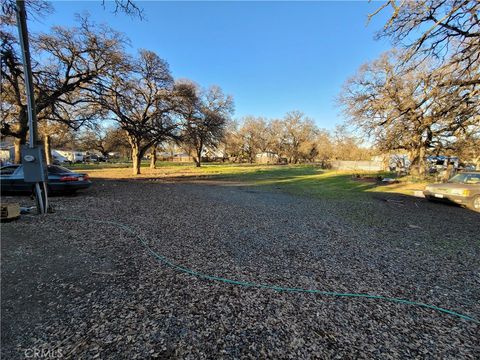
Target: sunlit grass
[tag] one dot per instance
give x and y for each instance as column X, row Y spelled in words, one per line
column 319, row 183
column 308, row 180
column 404, row 187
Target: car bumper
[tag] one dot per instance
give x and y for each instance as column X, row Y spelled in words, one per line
column 461, row 200
column 69, row 185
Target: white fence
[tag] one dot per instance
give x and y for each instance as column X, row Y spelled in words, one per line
column 358, row 165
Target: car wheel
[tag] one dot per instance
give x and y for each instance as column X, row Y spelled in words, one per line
column 475, row 203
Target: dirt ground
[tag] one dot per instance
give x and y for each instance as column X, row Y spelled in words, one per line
column 76, row 288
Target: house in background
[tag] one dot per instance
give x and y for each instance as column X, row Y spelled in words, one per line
column 182, row 157
column 267, row 157
column 214, row 154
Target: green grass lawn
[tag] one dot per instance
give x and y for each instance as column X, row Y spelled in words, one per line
column 309, row 180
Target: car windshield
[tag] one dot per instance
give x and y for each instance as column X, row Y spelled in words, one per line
column 465, row 178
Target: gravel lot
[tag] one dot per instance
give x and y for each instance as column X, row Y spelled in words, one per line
column 91, row 290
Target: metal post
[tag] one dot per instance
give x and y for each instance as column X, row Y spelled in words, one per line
column 40, row 188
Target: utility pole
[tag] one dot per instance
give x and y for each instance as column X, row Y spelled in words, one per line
column 34, row 166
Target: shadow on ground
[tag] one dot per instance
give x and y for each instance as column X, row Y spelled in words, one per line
column 93, row 291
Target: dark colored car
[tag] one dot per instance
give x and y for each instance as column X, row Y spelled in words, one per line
column 463, row 189
column 60, row 180
column 94, row 158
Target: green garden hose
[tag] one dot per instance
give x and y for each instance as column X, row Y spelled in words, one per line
column 164, row 260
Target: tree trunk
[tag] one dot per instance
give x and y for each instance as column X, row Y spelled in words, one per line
column 153, row 157
column 199, row 150
column 137, row 161
column 448, row 171
column 48, row 151
column 198, row 159
column 417, row 164
column 421, row 163
column 195, row 160
column 18, row 142
column 136, row 156
column 19, row 134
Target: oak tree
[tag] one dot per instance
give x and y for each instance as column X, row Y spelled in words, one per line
column 445, row 31
column 206, row 113
column 68, row 63
column 409, row 108
column 143, row 100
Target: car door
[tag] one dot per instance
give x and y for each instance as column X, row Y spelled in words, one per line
column 18, row 181
column 6, row 174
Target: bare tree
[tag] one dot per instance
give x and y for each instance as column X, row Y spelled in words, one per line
column 127, row 7
column 467, row 147
column 346, row 146
column 408, row 108
column 298, row 135
column 445, row 30
column 144, row 102
column 206, row 114
column 324, row 147
column 153, row 156
column 70, row 61
column 40, row 8
column 34, row 8
column 294, row 137
column 55, row 134
column 104, row 140
column 253, row 137
column 231, row 141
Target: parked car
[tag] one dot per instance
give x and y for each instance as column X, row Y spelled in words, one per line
column 463, row 189
column 93, row 158
column 90, row 158
column 60, row 180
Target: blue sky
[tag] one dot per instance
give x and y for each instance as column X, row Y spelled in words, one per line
column 272, row 57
